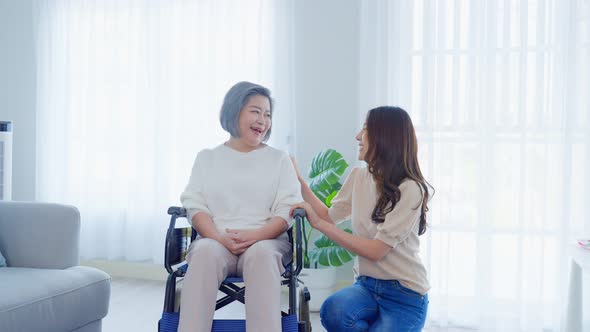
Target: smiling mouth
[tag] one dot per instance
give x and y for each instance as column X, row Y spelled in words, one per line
column 257, row 131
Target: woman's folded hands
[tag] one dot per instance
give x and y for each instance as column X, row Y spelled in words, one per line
column 237, row 241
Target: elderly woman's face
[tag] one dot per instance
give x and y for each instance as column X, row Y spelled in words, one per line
column 254, row 120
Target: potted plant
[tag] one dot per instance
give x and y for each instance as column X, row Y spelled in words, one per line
column 326, row 170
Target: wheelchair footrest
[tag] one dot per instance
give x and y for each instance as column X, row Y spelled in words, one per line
column 169, row 323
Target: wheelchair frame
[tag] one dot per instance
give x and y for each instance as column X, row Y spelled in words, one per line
column 177, row 245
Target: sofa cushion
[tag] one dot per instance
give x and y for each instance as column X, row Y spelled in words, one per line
column 52, row 300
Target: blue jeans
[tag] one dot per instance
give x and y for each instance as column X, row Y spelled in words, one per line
column 374, row 305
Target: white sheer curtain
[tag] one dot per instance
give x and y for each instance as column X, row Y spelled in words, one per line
column 130, row 91
column 499, row 93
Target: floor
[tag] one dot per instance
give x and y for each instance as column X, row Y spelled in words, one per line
column 136, row 305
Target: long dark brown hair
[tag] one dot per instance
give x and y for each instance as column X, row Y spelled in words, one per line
column 392, row 156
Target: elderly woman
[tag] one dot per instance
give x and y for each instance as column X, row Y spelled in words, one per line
column 238, row 199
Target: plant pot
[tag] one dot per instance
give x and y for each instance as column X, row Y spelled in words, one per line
column 321, row 283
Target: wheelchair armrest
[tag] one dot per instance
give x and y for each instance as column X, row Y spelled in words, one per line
column 178, row 211
column 299, row 215
column 174, row 238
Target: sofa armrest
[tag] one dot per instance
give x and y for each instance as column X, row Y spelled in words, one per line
column 39, row 235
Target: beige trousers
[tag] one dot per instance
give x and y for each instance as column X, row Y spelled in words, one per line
column 210, row 263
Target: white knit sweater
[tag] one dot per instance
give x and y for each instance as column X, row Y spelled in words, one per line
column 241, row 190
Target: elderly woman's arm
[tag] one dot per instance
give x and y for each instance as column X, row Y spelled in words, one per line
column 275, row 227
column 204, row 225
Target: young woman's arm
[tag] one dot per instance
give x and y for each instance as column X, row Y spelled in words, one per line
column 398, row 224
column 372, row 249
column 369, row 248
column 318, row 206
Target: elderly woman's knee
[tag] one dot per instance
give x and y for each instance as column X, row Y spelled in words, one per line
column 262, row 248
column 206, row 250
column 262, row 253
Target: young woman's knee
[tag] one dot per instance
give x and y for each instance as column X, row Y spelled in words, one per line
column 331, row 313
column 336, row 313
column 350, row 309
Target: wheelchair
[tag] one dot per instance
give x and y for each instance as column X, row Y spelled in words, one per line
column 178, row 240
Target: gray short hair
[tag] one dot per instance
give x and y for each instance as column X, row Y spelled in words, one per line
column 235, row 99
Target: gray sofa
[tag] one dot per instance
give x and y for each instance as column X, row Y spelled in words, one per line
column 43, row 288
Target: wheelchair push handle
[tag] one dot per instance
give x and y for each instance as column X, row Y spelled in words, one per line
column 178, row 211
column 299, row 212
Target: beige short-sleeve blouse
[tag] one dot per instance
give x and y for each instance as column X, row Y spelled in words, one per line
column 357, row 199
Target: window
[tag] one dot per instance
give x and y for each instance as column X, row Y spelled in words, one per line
column 498, row 92
column 130, row 91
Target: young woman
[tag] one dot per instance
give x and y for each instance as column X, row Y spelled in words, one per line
column 238, row 199
column 387, row 202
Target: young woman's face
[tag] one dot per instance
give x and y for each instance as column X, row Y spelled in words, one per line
column 254, row 121
column 363, row 142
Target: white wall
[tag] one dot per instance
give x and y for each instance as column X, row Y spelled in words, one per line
column 326, row 77
column 18, row 91
column 326, row 83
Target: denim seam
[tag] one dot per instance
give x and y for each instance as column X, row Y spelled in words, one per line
column 416, row 295
column 414, row 325
column 408, row 292
column 355, row 319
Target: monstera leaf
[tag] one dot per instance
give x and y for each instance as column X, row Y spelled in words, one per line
column 329, row 253
column 326, row 169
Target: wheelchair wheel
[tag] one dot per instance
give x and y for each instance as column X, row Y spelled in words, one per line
column 304, row 318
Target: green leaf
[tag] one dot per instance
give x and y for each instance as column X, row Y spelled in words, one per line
column 325, row 242
column 322, row 195
column 326, row 169
column 327, row 160
column 336, row 187
column 329, row 253
column 334, row 260
column 328, row 199
column 345, row 255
